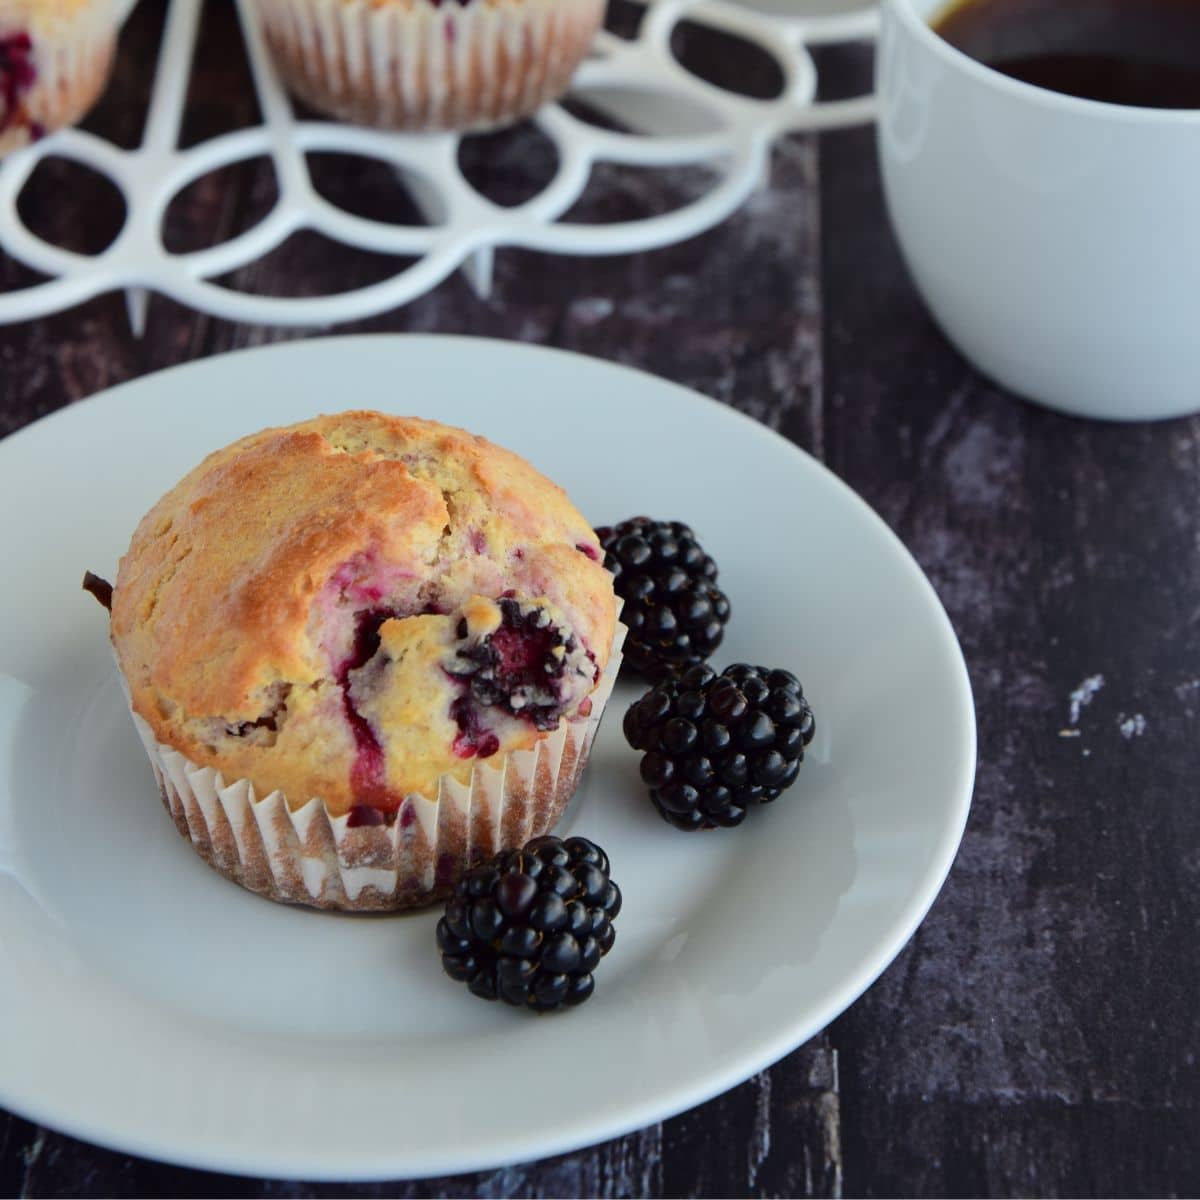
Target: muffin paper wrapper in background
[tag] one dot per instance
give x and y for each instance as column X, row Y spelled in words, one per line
column 309, row 857
column 412, row 64
column 72, row 54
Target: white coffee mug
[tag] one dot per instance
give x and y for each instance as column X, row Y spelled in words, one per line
column 1056, row 240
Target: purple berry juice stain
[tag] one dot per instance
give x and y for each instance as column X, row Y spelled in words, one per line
column 17, row 75
column 472, row 739
column 368, row 775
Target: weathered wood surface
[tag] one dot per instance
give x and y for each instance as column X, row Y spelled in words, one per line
column 1039, row 1034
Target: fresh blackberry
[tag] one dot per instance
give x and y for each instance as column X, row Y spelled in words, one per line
column 715, row 744
column 530, row 926
column 674, row 611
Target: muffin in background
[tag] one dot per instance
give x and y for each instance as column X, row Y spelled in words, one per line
column 429, row 64
column 55, row 60
column 363, row 653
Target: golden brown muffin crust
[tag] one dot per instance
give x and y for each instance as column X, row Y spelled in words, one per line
column 241, row 597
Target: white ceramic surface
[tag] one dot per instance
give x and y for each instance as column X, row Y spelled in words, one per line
column 1055, row 239
column 148, row 1004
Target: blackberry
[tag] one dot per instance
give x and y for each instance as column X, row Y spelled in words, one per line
column 674, row 611
column 530, row 926
column 715, row 744
column 526, row 667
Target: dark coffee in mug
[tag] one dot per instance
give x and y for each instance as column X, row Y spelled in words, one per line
column 1144, row 53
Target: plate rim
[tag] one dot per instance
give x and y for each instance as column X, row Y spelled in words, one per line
column 671, row 1099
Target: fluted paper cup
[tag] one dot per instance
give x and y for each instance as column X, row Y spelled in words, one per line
column 55, row 65
column 305, row 855
column 421, row 65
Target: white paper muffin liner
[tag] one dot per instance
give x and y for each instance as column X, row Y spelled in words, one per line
column 72, row 56
column 414, row 64
column 307, row 856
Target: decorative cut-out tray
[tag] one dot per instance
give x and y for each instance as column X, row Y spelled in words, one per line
column 658, row 113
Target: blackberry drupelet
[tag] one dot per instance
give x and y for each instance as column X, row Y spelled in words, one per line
column 530, row 926
column 674, row 611
column 715, row 744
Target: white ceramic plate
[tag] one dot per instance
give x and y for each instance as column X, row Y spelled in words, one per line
column 148, row 1004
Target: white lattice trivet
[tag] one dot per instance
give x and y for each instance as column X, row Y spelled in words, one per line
column 678, row 118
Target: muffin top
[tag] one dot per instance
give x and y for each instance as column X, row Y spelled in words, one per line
column 354, row 605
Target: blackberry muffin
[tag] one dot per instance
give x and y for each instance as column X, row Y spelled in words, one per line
column 55, row 59
column 428, row 64
column 364, row 652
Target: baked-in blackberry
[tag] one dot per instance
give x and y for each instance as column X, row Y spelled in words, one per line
column 715, row 744
column 524, row 665
column 674, row 611
column 530, row 926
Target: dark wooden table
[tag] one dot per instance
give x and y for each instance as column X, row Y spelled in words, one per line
column 1039, row 1034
